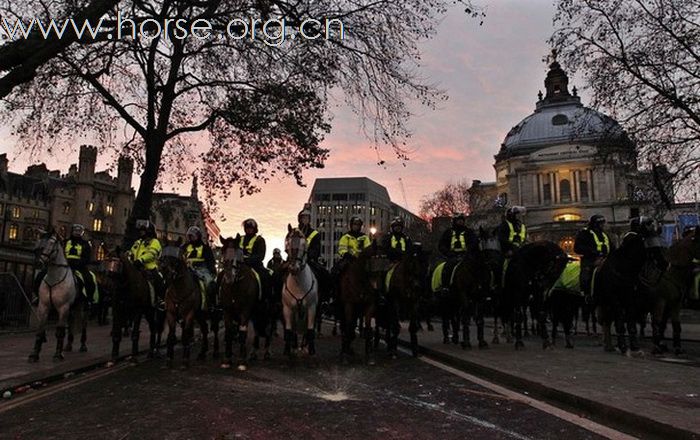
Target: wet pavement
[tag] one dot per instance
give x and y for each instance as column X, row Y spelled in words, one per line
column 402, row 398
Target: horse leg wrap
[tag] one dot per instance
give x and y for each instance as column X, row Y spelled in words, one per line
column 676, row 325
column 311, row 341
column 60, row 334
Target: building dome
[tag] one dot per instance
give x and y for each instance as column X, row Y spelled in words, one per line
column 560, row 118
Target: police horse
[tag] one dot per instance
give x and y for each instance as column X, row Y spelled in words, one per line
column 57, row 289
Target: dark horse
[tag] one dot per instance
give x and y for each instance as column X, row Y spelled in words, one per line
column 183, row 297
column 618, row 295
column 239, row 297
column 533, row 270
column 404, row 291
column 667, row 294
column 359, row 286
column 133, row 298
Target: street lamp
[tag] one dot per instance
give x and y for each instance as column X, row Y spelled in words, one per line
column 372, row 231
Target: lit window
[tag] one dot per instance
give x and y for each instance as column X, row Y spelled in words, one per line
column 14, row 232
column 109, row 209
column 97, row 225
column 16, row 212
column 35, row 214
column 90, row 206
column 101, row 253
column 66, row 208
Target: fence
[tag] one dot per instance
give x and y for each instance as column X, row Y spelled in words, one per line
column 14, row 303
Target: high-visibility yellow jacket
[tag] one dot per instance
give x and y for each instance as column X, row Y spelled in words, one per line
column 146, row 251
column 353, row 245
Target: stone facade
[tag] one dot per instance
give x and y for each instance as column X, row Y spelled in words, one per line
column 564, row 163
column 31, row 201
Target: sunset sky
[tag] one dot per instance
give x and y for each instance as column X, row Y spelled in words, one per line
column 491, row 73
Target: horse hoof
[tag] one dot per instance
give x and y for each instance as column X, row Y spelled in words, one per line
column 33, row 358
column 466, row 346
column 110, row 364
column 58, row 357
column 225, row 366
column 242, row 367
column 483, row 344
column 455, row 341
column 83, row 348
column 414, row 353
column 371, row 362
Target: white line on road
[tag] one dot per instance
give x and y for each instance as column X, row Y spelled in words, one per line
column 542, row 406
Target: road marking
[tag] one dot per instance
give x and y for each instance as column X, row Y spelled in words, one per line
column 542, row 406
column 40, row 394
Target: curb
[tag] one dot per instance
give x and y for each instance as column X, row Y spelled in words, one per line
column 634, row 424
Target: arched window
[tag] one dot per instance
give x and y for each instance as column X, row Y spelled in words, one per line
column 564, row 191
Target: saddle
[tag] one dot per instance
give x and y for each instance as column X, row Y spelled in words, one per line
column 440, row 279
column 80, row 283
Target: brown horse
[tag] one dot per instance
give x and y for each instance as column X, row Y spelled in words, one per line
column 406, row 287
column 183, row 297
column 238, row 296
column 133, row 297
column 359, row 287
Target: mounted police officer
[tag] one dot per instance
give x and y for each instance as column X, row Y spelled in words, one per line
column 145, row 253
column 275, row 263
column 512, row 232
column 593, row 244
column 200, row 259
column 254, row 248
column 354, row 241
column 313, row 251
column 456, row 243
column 78, row 254
column 397, row 243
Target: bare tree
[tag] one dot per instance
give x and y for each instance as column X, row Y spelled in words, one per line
column 641, row 62
column 452, row 198
column 263, row 105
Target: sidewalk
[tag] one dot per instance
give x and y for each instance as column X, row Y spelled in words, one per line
column 648, row 393
column 15, row 348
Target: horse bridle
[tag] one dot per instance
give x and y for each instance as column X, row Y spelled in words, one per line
column 300, row 258
column 46, row 258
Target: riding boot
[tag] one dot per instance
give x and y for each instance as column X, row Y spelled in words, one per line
column 656, row 337
column 311, row 342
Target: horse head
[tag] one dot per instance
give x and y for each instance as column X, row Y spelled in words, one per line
column 231, row 256
column 48, row 247
column 172, row 263
column 295, row 246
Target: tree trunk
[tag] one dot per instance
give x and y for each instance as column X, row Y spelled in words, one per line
column 144, row 198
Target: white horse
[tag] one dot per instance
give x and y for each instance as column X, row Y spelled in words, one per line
column 299, row 294
column 57, row 289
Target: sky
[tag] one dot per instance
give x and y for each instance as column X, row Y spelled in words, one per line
column 491, row 73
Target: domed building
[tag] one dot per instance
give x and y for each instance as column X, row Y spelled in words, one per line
column 564, row 163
